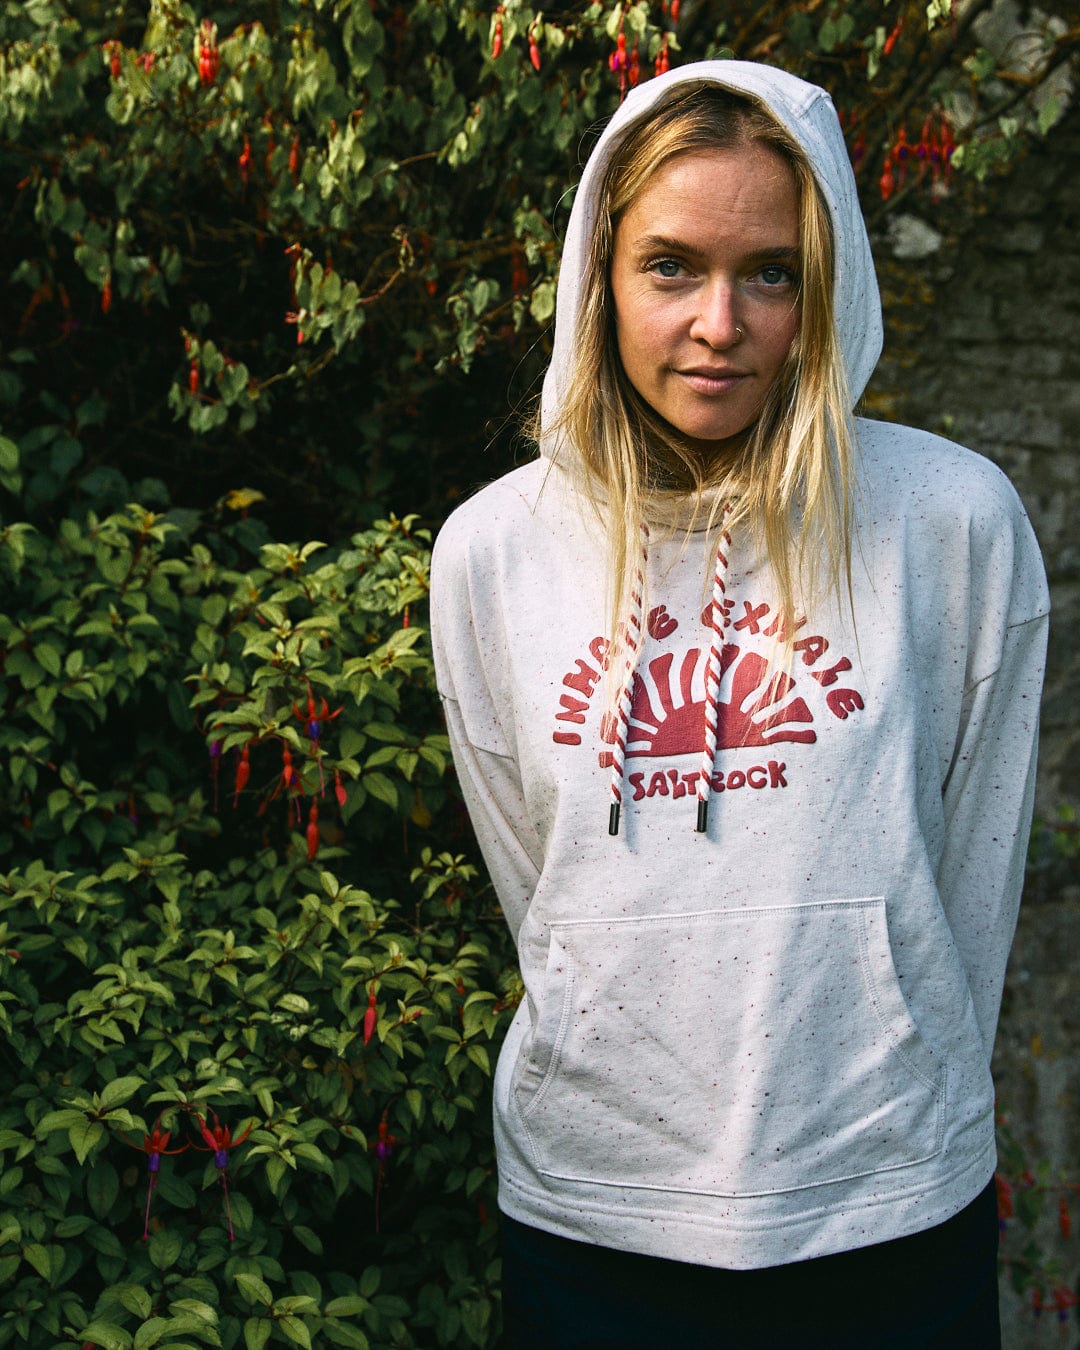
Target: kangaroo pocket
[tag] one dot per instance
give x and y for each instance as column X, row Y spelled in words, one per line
column 732, row 1052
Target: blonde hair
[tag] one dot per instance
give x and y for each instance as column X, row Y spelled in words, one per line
column 791, row 482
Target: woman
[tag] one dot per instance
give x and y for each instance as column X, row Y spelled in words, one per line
column 743, row 696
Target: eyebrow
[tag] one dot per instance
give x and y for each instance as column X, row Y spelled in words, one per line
column 660, row 243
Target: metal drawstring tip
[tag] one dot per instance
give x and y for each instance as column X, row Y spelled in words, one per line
column 613, row 819
column 702, row 816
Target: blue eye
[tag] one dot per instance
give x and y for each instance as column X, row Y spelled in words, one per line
column 666, row 267
column 773, row 274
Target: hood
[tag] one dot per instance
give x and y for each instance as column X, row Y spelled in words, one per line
column 808, row 113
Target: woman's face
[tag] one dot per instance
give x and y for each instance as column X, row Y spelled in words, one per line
column 704, row 277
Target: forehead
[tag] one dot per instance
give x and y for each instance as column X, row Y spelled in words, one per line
column 747, row 188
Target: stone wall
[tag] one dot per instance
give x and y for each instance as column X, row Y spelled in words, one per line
column 983, row 345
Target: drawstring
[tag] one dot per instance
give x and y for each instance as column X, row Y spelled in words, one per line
column 712, row 682
column 631, row 637
column 631, row 642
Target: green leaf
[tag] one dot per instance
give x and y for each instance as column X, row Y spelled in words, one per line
column 308, row 1238
column 106, row 1334
column 165, row 1247
column 136, row 1300
column 381, row 787
column 296, row 1330
column 58, row 1120
column 38, row 1256
column 257, row 1332
column 102, row 1187
column 254, row 1289
column 1049, row 114
column 348, row 1305
column 344, row 1333
column 84, row 1134
column 151, row 1332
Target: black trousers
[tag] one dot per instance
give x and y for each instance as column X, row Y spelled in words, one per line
column 935, row 1290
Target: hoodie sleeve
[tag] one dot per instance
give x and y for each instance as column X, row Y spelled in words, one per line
column 990, row 786
column 482, row 749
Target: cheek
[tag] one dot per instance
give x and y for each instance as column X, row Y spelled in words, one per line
column 644, row 331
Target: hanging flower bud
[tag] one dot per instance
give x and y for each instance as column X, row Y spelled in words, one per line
column 890, row 41
column 193, row 377
column 106, row 295
column 313, row 832
column 339, row 789
column 663, row 61
column 633, row 72
column 534, row 50
column 887, row 182
column 244, row 163
column 371, row 1016
column 294, row 159
column 497, row 35
column 243, row 773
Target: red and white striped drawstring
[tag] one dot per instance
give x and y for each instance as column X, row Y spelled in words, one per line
column 712, row 682
column 631, row 639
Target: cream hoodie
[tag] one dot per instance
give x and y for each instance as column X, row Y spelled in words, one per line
column 770, row 1041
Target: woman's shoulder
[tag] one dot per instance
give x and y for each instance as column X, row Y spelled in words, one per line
column 954, row 508
column 916, row 470
column 495, row 512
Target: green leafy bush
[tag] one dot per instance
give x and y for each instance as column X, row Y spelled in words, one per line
column 291, row 957
column 319, row 238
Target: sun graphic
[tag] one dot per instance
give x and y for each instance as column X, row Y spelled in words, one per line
column 667, row 705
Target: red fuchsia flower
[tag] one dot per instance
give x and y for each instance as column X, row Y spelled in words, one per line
column 663, row 60
column 156, row 1146
column 534, row 50
column 497, row 35
column 383, row 1148
column 619, row 62
column 314, row 718
column 207, row 55
column 633, row 72
column 219, row 1141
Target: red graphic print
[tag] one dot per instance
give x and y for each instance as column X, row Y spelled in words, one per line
column 665, row 718
column 660, row 623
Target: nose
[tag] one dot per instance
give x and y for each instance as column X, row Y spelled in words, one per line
column 716, row 322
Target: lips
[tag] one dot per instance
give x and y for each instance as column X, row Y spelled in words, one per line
column 712, row 380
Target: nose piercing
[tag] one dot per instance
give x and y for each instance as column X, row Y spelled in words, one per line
column 738, row 333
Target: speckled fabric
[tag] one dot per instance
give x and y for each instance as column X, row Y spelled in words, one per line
column 771, row 1041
